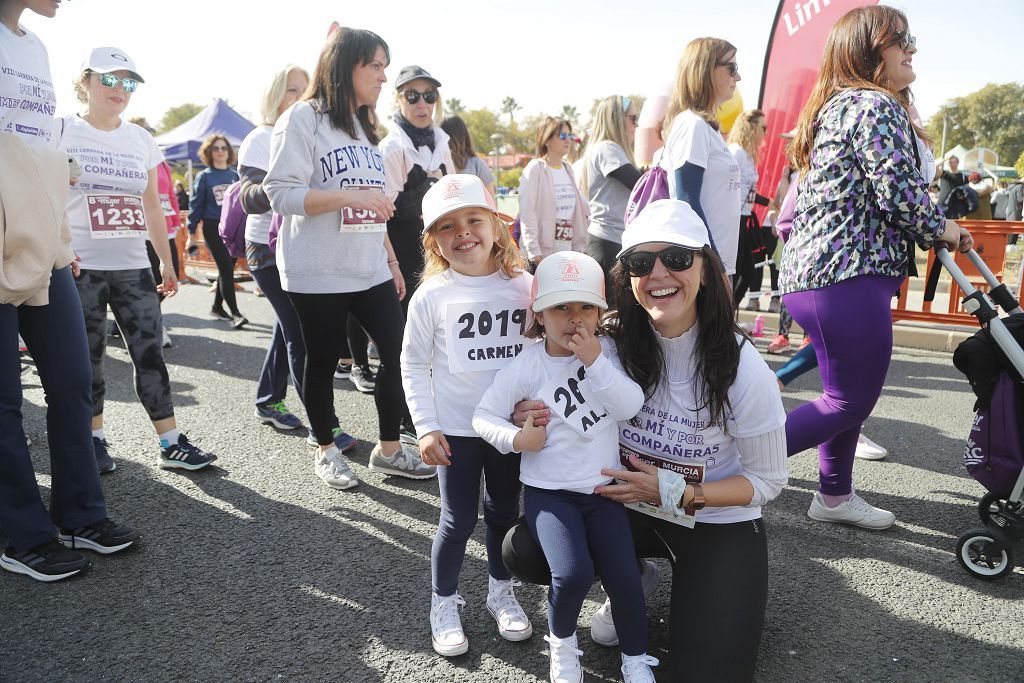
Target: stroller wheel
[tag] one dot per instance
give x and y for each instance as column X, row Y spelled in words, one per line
column 975, row 553
column 990, row 503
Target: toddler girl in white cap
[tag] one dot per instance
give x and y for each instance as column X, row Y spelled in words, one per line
column 580, row 532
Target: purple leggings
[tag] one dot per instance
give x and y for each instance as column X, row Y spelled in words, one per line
column 850, row 325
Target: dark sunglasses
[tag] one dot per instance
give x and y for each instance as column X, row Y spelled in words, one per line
column 640, row 263
column 111, row 81
column 633, row 118
column 905, row 40
column 413, row 96
column 733, row 67
column 220, row 148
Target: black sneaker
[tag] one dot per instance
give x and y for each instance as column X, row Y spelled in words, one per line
column 219, row 314
column 105, row 463
column 364, row 378
column 184, row 455
column 343, row 371
column 48, row 561
column 105, row 536
column 239, row 321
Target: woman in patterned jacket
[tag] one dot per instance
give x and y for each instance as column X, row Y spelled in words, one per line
column 862, row 199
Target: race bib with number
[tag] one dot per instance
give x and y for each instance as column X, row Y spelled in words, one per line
column 165, row 206
column 694, row 474
column 361, row 220
column 484, row 336
column 563, row 231
column 570, row 400
column 113, row 216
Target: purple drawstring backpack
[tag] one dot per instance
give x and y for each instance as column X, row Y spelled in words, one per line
column 994, row 454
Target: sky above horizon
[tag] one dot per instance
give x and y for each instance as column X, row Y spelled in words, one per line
column 483, row 52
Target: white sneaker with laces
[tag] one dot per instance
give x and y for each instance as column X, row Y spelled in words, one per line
column 446, row 634
column 513, row 624
column 855, row 511
column 403, row 463
column 602, row 625
column 637, row 668
column 565, row 659
column 868, row 449
column 331, row 466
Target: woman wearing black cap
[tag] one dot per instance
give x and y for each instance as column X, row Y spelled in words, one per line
column 416, row 154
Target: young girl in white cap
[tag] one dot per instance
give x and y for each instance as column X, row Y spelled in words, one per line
column 467, row 320
column 580, row 532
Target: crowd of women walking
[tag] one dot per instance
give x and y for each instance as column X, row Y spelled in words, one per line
column 591, row 371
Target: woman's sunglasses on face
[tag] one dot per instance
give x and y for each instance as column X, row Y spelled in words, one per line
column 640, row 263
column 219, row 148
column 413, row 96
column 111, row 81
column 733, row 67
column 566, row 136
column 905, row 40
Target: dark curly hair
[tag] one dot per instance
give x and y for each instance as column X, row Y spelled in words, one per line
column 717, row 350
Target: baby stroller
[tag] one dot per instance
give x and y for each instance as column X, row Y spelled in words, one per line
column 993, row 361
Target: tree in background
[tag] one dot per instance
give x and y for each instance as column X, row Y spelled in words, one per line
column 454, row 106
column 992, row 117
column 571, row 114
column 482, row 123
column 510, row 106
column 175, row 116
column 1019, row 166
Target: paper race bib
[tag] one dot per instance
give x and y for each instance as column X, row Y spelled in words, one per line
column 113, row 216
column 484, row 336
column 563, row 231
column 570, row 400
column 218, row 193
column 361, row 220
column 165, row 205
column 693, row 473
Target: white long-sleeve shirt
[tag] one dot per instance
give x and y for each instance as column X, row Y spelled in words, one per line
column 460, row 331
column 570, row 460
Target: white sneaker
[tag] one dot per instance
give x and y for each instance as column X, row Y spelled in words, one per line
column 565, row 660
column 167, row 343
column 855, row 511
column 602, row 625
column 446, row 632
column 403, row 463
column 868, row 449
column 637, row 668
column 513, row 624
column 331, row 466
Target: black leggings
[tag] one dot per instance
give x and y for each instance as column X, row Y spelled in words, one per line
column 225, row 266
column 353, row 344
column 719, row 590
column 749, row 251
column 323, row 318
column 154, row 262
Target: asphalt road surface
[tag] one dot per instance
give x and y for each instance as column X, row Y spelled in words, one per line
column 253, row 570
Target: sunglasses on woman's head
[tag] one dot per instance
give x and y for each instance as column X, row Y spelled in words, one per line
column 905, row 40
column 733, row 67
column 111, row 81
column 640, row 263
column 413, row 96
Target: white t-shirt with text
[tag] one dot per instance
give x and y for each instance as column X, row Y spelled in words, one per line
column 565, row 206
column 27, row 99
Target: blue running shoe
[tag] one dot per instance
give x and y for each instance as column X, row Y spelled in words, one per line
column 183, row 455
column 342, row 440
column 104, row 462
column 278, row 415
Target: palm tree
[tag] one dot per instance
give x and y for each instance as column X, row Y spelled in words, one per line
column 570, row 113
column 455, row 106
column 510, row 106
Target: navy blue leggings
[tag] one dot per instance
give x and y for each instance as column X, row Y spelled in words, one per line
column 460, row 495
column 286, row 355
column 582, row 533
column 55, row 336
column 804, row 360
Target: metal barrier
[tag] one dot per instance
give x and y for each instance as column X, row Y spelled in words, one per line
column 991, row 243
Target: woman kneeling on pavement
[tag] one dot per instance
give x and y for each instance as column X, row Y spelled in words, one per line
column 706, row 451
column 326, row 177
column 112, row 209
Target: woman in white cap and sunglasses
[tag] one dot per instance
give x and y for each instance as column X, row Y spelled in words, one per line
column 708, row 447
column 113, row 208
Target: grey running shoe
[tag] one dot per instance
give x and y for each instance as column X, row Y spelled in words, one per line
column 333, row 468
column 404, row 463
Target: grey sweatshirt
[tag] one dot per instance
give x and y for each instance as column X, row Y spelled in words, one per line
column 314, row 254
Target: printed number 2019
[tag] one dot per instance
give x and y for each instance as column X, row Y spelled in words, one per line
column 573, row 391
column 484, row 322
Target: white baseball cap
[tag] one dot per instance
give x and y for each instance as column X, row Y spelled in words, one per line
column 666, row 220
column 104, row 60
column 565, row 277
column 452, row 192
